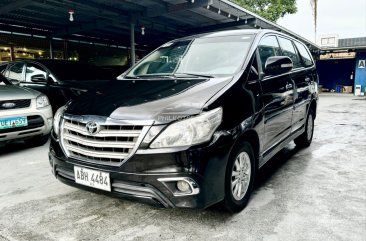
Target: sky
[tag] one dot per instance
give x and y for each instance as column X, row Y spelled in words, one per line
column 347, row 18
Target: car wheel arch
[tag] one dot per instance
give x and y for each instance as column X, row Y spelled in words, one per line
column 313, row 106
column 252, row 137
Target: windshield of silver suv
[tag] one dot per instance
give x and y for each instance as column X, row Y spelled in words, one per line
column 210, row 56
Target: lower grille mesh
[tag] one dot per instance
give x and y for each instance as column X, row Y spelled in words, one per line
column 14, row 104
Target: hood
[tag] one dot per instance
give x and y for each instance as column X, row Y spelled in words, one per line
column 12, row 92
column 161, row 100
column 85, row 84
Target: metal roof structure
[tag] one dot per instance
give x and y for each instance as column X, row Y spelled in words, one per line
column 347, row 45
column 120, row 22
column 352, row 42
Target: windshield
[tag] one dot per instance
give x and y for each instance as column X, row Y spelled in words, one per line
column 214, row 56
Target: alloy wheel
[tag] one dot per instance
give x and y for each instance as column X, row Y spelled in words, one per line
column 240, row 177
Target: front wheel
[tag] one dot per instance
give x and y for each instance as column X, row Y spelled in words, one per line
column 239, row 179
column 304, row 140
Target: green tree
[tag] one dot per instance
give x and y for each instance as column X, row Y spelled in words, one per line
column 269, row 9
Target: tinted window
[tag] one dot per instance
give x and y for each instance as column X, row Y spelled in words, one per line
column 35, row 73
column 289, row 51
column 15, row 73
column 304, row 53
column 267, row 48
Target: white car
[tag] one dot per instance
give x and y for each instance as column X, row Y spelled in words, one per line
column 25, row 114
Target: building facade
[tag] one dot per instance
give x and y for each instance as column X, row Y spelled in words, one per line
column 342, row 64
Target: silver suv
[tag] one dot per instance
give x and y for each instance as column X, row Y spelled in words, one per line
column 25, row 114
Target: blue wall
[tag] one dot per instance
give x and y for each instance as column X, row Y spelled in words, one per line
column 360, row 77
column 335, row 72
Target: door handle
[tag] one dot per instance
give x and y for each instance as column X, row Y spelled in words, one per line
column 288, row 86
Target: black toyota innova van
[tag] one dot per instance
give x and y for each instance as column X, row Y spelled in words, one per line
column 191, row 123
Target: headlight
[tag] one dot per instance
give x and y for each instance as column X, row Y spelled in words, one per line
column 191, row 131
column 57, row 118
column 42, row 101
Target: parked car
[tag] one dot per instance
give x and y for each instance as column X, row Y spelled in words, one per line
column 60, row 80
column 190, row 125
column 25, row 114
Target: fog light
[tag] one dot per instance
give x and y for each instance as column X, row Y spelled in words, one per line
column 183, row 186
column 180, row 186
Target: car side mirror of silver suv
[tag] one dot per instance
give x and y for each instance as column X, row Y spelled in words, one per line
column 38, row 78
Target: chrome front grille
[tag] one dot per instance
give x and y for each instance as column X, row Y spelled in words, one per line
column 111, row 145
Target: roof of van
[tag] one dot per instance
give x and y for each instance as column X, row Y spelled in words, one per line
column 229, row 33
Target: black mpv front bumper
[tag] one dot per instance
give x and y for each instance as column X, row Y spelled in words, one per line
column 138, row 177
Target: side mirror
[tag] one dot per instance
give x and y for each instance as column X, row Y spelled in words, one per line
column 278, row 65
column 14, row 82
column 38, row 78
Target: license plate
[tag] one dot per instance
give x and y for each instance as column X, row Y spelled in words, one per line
column 13, row 122
column 92, row 178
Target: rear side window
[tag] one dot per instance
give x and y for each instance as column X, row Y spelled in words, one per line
column 304, row 53
column 267, row 48
column 288, row 50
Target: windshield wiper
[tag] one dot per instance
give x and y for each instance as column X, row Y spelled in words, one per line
column 195, row 75
column 131, row 77
column 155, row 76
column 168, row 76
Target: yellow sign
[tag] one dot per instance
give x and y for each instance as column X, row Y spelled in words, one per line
column 350, row 55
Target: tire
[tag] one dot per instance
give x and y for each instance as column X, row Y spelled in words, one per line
column 235, row 200
column 37, row 141
column 304, row 140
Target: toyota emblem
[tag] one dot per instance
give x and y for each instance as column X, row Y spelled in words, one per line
column 92, row 128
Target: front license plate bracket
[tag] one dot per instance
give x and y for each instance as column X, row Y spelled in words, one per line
column 92, row 178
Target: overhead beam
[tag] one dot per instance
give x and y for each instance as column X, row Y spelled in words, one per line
column 124, row 34
column 32, row 21
column 101, row 7
column 14, row 5
column 173, row 8
column 24, row 27
column 214, row 27
column 99, row 23
column 140, row 18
